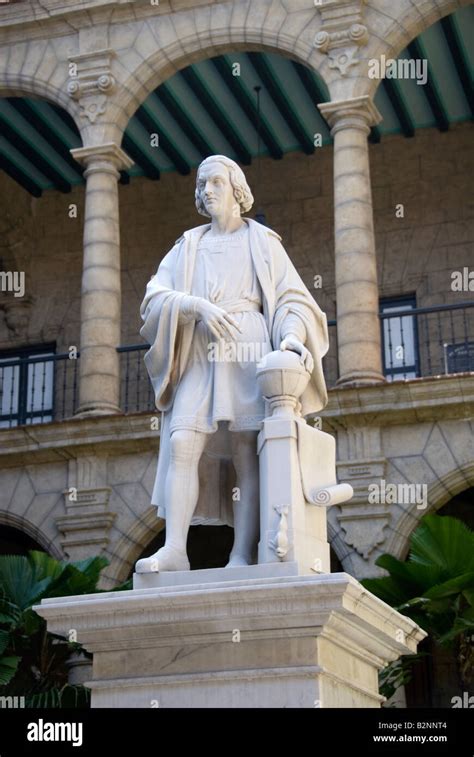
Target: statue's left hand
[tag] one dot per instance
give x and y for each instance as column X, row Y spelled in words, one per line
column 291, row 343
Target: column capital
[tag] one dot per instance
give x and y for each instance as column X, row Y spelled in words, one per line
column 102, row 156
column 91, row 82
column 357, row 113
column 343, row 32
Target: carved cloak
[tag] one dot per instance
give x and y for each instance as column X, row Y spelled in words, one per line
column 283, row 291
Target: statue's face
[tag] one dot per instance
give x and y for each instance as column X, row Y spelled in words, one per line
column 216, row 190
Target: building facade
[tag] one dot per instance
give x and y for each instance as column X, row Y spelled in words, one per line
column 368, row 183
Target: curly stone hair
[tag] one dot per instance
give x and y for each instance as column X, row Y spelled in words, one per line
column 243, row 195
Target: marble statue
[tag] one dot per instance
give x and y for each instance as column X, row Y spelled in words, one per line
column 223, row 298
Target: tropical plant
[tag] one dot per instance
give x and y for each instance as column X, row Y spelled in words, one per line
column 435, row 588
column 32, row 660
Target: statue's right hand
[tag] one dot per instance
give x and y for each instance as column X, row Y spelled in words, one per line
column 217, row 320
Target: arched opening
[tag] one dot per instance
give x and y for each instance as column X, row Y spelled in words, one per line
column 436, row 677
column 18, row 536
column 392, row 36
column 14, row 541
column 242, row 104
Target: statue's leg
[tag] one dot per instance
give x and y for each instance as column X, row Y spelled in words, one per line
column 181, row 492
column 246, row 508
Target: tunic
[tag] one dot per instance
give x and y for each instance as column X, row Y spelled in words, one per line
column 219, row 382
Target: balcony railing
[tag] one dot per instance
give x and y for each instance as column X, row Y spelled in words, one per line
column 136, row 393
column 38, row 389
column 429, row 341
column 416, row 342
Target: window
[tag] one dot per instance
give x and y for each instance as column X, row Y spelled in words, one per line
column 26, row 386
column 399, row 339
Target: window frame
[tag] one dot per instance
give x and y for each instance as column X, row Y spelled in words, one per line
column 23, row 417
column 397, row 302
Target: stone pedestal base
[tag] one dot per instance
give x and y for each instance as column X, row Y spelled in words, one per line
column 284, row 641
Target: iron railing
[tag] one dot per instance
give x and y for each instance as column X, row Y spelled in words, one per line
column 38, row 389
column 136, row 393
column 428, row 341
column 416, row 342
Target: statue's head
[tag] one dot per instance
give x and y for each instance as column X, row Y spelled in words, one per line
column 221, row 186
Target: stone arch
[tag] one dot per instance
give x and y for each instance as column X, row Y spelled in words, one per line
column 389, row 34
column 39, row 70
column 165, row 44
column 24, row 525
column 439, row 493
column 128, row 548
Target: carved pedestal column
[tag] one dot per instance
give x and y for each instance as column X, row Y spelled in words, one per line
column 297, row 472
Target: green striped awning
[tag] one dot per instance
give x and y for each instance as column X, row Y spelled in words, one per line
column 211, row 107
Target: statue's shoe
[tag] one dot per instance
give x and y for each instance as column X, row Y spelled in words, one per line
column 166, row 559
column 237, row 561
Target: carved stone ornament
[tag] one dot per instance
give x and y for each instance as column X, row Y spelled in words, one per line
column 342, row 32
column 280, row 543
column 92, row 82
column 362, row 521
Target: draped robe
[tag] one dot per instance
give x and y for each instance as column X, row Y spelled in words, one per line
column 283, row 292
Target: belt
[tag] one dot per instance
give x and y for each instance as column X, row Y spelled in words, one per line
column 239, row 306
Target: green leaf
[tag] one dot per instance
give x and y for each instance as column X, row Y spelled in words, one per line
column 5, row 638
column 415, row 602
column 412, row 578
column 8, row 668
column 452, row 586
column 91, row 567
column 468, row 614
column 31, row 622
column 469, row 595
column 45, row 699
column 43, row 566
column 386, row 588
column 9, row 612
column 55, row 697
column 19, row 581
column 460, row 626
column 75, row 696
column 444, row 542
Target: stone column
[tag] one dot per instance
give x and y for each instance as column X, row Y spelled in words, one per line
column 358, row 325
column 99, row 391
